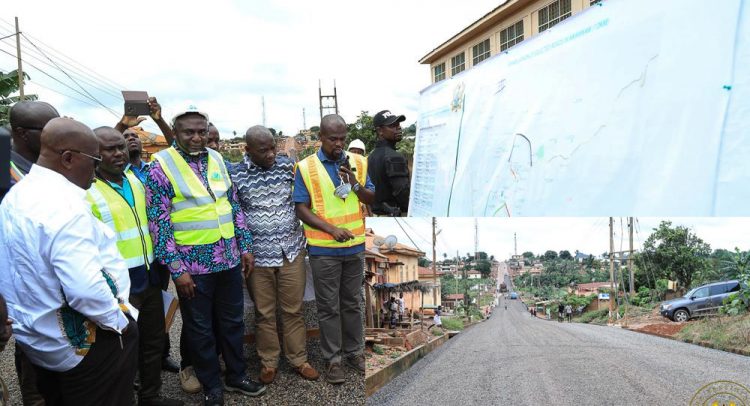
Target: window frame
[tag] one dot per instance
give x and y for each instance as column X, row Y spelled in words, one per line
column 551, row 22
column 485, row 53
column 437, row 77
column 454, row 72
column 510, row 42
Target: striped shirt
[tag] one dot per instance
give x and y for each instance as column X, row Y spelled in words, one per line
column 265, row 196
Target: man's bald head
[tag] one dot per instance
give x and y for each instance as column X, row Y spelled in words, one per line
column 27, row 118
column 331, row 121
column 257, row 133
column 260, row 146
column 71, row 149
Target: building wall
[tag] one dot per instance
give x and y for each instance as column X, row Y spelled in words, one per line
column 405, row 273
column 530, row 17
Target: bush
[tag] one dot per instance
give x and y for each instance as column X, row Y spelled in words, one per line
column 735, row 304
column 453, row 324
column 596, row 316
column 436, row 331
column 378, row 349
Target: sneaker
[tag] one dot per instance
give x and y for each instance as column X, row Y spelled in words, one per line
column 169, row 365
column 356, row 362
column 335, row 373
column 160, row 401
column 189, row 381
column 267, row 375
column 307, row 371
column 246, row 386
column 214, row 399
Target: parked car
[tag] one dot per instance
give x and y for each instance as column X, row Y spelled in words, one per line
column 513, row 295
column 700, row 301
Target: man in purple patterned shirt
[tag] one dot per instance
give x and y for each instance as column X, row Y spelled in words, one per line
column 200, row 234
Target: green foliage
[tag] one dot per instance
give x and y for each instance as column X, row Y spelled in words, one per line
column 528, row 255
column 643, row 297
column 8, row 86
column 423, row 262
column 565, row 254
column 307, row 151
column 549, row 255
column 675, row 253
column 454, row 324
column 735, row 304
column 595, row 316
column 363, row 129
column 484, row 267
column 436, row 331
column 232, row 156
column 377, row 349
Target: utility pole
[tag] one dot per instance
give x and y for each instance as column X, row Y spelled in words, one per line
column 20, row 65
column 434, row 264
column 630, row 256
column 263, row 105
column 612, row 291
column 515, row 244
column 326, row 100
column 304, row 120
column 476, row 240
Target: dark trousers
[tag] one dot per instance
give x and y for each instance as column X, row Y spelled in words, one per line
column 104, row 376
column 338, row 293
column 27, row 379
column 217, row 295
column 150, row 305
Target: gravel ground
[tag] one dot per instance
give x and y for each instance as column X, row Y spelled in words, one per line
column 514, row 359
column 288, row 388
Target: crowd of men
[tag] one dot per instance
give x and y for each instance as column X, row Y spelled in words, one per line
column 91, row 235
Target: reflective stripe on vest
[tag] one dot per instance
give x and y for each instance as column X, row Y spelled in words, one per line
column 325, row 204
column 129, row 224
column 197, row 218
column 15, row 172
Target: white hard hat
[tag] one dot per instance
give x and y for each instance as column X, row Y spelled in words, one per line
column 357, row 143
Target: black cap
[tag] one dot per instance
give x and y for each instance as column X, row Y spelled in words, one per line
column 385, row 117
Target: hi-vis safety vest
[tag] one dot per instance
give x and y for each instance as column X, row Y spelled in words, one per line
column 130, row 224
column 332, row 209
column 198, row 218
column 15, row 173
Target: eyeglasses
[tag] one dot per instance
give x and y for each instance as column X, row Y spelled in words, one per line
column 97, row 159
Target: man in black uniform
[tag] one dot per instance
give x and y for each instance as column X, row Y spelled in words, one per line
column 388, row 168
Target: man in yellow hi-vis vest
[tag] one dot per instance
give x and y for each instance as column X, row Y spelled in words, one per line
column 199, row 232
column 118, row 199
column 328, row 189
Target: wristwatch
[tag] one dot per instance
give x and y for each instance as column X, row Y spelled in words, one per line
column 356, row 187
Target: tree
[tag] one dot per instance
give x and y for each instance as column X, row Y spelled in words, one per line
column 549, row 254
column 528, row 255
column 483, row 266
column 677, row 253
column 8, row 86
column 565, row 254
column 363, row 129
column 424, row 262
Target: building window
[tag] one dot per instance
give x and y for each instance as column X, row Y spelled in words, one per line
column 458, row 64
column 592, row 2
column 553, row 14
column 439, row 71
column 481, row 51
column 511, row 36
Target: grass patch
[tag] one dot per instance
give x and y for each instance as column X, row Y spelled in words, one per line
column 725, row 332
column 453, row 324
column 378, row 349
column 436, row 332
column 594, row 317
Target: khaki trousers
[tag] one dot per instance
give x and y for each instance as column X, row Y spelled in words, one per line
column 285, row 284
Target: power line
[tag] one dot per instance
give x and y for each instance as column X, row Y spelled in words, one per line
column 70, row 77
column 407, row 234
column 90, row 79
column 52, row 77
column 53, row 50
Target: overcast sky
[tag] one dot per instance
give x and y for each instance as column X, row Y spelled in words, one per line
column 224, row 55
column 586, row 234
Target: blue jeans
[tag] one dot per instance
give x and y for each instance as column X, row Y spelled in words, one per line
column 217, row 295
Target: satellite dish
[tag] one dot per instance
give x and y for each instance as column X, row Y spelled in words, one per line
column 391, row 241
column 378, row 241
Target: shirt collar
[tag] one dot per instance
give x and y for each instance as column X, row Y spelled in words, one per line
column 57, row 178
column 385, row 143
column 251, row 165
column 21, row 162
column 323, row 158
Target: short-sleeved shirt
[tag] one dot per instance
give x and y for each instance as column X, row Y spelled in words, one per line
column 302, row 195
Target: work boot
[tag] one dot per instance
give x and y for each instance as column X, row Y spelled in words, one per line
column 215, row 398
column 356, row 362
column 169, row 365
column 335, row 374
column 267, row 375
column 307, row 371
column 189, row 381
column 246, row 386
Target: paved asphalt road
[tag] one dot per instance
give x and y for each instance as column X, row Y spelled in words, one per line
column 516, row 360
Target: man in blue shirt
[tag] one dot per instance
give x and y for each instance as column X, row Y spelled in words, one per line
column 337, row 270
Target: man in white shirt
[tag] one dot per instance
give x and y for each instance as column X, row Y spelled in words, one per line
column 63, row 278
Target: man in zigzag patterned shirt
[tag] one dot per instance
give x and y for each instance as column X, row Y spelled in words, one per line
column 264, row 185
